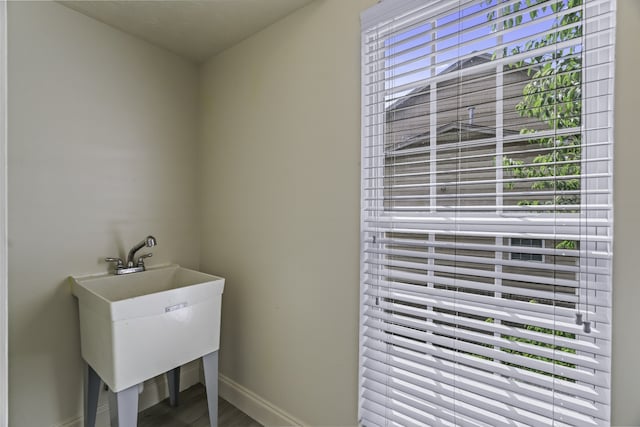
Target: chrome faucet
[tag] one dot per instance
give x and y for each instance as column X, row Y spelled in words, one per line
column 131, row 266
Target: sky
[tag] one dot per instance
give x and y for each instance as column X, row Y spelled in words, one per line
column 457, row 33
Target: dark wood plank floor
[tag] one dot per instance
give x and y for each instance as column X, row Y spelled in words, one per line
column 192, row 412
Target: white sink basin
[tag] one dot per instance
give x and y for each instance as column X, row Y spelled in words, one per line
column 136, row 326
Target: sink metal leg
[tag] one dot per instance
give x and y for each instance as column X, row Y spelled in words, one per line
column 123, row 407
column 173, row 379
column 91, row 393
column 210, row 363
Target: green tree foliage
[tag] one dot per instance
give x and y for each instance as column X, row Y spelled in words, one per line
column 555, row 347
column 552, row 96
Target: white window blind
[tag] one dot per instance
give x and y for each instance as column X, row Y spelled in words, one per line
column 486, row 212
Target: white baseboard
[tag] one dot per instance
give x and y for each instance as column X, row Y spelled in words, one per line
column 155, row 390
column 261, row 410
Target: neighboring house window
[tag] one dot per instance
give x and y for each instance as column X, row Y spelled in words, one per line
column 486, row 212
column 527, row 243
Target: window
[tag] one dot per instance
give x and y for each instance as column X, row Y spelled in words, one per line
column 486, row 212
column 527, row 243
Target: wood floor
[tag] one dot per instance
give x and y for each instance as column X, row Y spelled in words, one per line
column 192, row 412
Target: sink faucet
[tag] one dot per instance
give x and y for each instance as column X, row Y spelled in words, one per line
column 149, row 242
column 131, row 266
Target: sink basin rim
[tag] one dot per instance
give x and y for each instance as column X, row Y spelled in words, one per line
column 144, row 304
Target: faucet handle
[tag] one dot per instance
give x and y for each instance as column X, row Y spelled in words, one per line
column 142, row 257
column 119, row 265
column 118, row 261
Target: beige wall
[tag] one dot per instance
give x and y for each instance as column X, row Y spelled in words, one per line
column 626, row 280
column 101, row 152
column 280, row 174
column 102, row 133
column 279, row 166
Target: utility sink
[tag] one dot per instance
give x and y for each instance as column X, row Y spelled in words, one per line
column 136, row 326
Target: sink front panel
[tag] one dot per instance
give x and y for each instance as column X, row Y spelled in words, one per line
column 144, row 347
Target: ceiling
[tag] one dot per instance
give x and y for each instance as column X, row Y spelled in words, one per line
column 194, row 29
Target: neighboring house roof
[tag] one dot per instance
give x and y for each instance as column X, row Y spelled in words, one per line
column 466, row 63
column 459, row 65
column 423, row 138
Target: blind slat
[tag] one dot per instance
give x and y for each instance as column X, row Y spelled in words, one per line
column 461, row 331
column 381, row 256
column 526, row 312
column 518, row 380
column 502, row 396
column 405, row 337
column 490, row 325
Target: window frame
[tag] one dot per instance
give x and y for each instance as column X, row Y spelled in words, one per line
column 389, row 216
